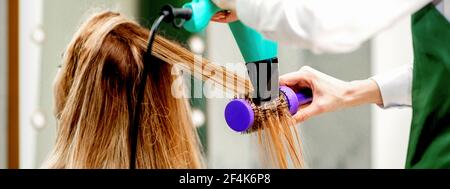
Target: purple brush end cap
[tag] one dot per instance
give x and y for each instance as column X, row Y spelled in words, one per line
column 239, row 115
column 292, row 99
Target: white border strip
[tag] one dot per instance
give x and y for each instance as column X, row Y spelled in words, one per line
column 31, row 15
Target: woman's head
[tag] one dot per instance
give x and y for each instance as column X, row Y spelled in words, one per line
column 97, row 87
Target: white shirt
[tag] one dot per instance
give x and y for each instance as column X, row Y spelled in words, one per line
column 335, row 26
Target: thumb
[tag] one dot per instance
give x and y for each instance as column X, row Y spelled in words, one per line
column 306, row 113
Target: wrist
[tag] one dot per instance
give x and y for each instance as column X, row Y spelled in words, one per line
column 363, row 92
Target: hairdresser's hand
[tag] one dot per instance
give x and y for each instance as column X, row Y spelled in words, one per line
column 227, row 16
column 330, row 94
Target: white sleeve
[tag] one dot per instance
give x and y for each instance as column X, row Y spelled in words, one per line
column 333, row 26
column 395, row 86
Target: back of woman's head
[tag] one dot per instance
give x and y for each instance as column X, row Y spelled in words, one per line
column 97, row 87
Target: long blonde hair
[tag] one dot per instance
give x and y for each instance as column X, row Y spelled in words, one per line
column 101, row 69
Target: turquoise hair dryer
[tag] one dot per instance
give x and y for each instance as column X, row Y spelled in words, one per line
column 259, row 53
column 252, row 45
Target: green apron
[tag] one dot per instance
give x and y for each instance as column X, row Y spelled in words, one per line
column 429, row 143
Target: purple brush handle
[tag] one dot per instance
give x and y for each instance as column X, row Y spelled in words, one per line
column 240, row 116
column 295, row 100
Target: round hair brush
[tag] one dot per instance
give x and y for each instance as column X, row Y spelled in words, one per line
column 242, row 114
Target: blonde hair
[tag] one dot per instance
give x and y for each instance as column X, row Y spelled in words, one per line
column 277, row 135
column 101, row 69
